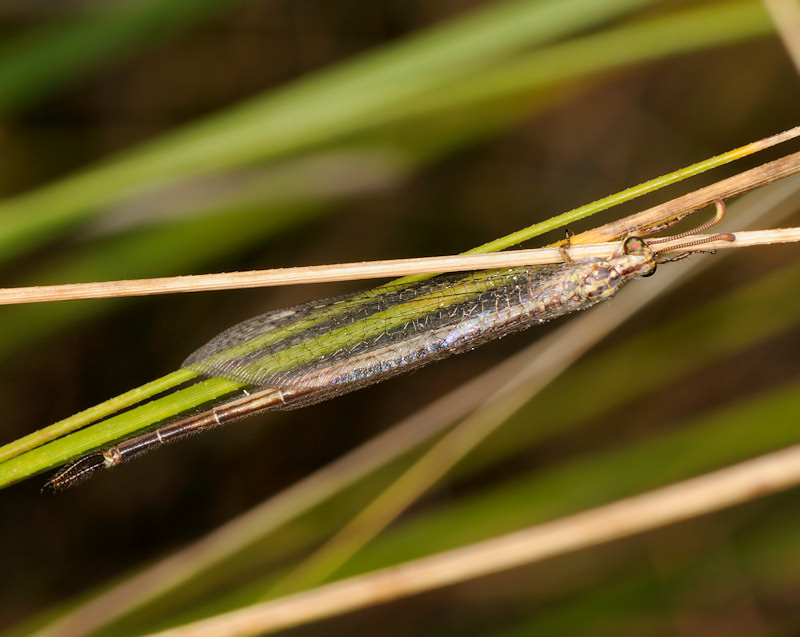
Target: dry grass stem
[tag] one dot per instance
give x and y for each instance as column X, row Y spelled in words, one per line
column 642, row 221
column 351, row 271
column 697, row 496
column 676, row 208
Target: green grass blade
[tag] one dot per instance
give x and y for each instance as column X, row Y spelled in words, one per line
column 60, row 451
column 93, row 414
column 130, row 422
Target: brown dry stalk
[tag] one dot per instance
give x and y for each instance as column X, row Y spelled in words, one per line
column 762, row 476
column 676, row 208
column 657, row 216
column 354, row 271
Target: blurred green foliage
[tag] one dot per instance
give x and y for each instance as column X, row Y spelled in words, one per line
column 149, row 138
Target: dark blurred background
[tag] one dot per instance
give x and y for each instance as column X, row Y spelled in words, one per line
column 429, row 182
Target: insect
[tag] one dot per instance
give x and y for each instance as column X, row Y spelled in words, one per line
column 311, row 352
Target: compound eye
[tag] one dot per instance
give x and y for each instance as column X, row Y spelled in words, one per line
column 633, row 245
column 651, row 273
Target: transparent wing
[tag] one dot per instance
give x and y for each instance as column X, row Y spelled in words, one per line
column 355, row 340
